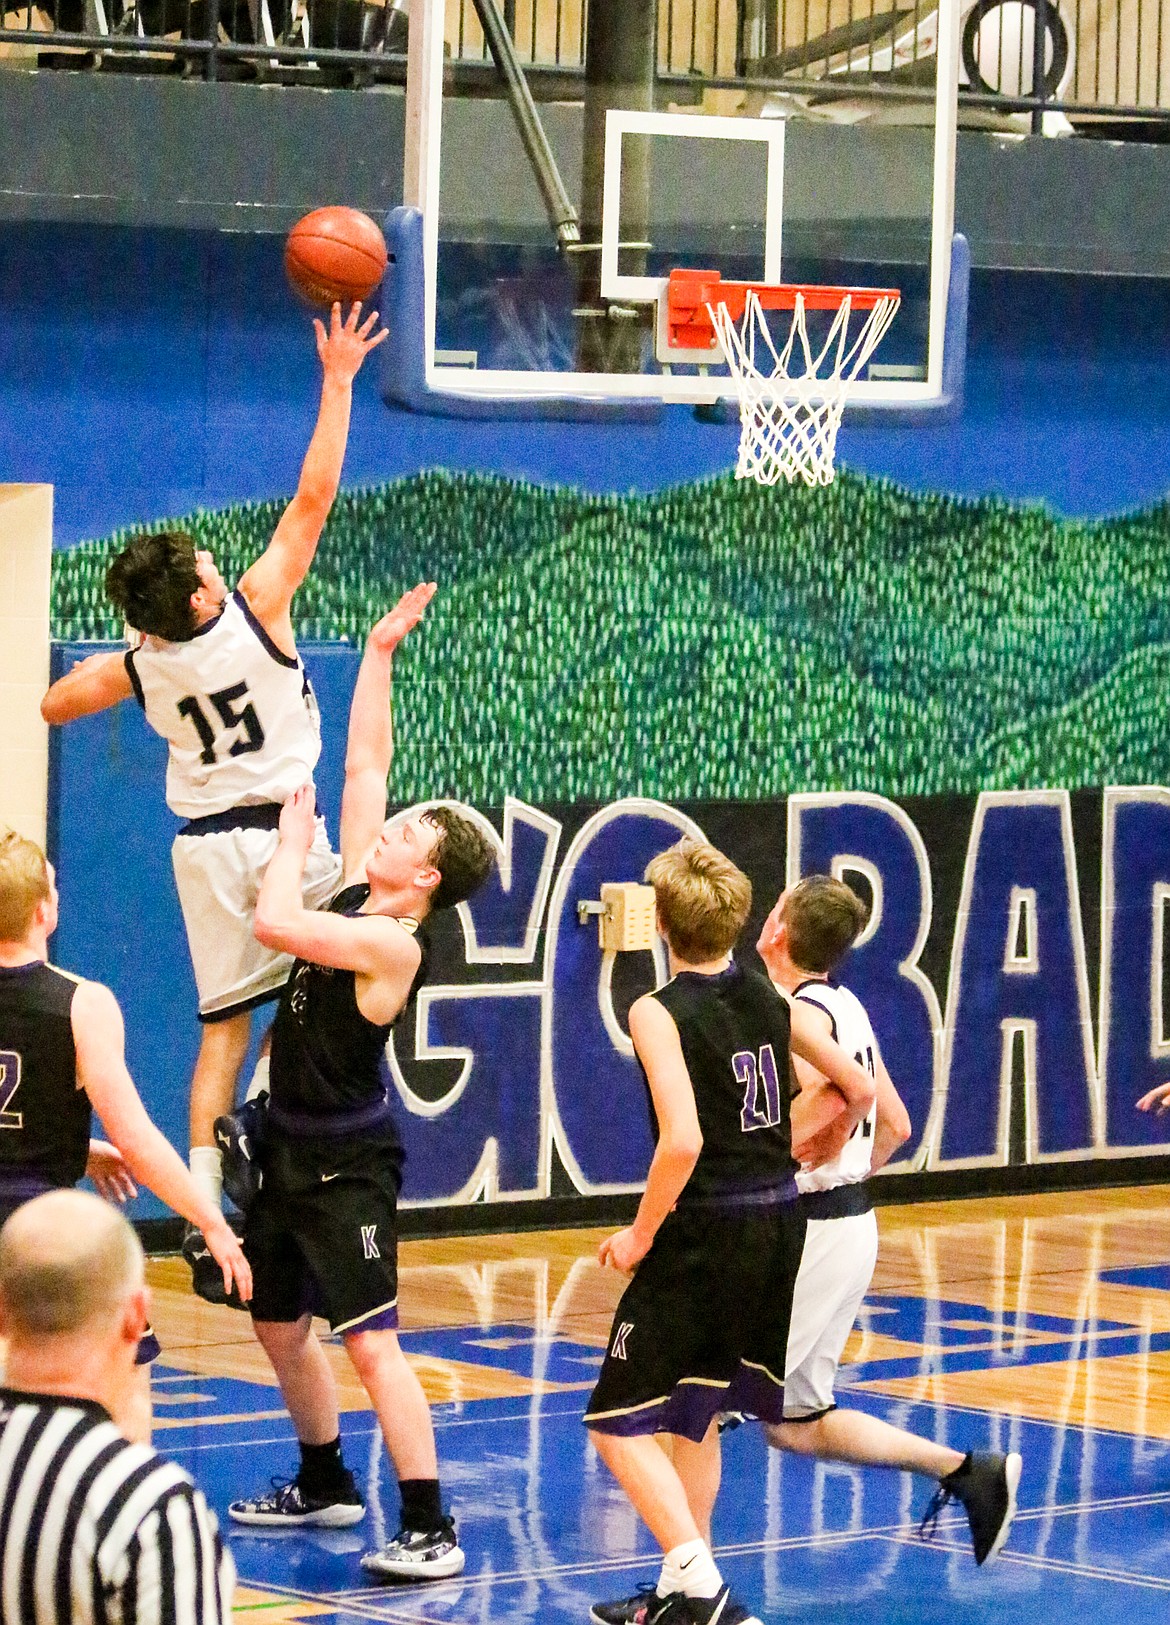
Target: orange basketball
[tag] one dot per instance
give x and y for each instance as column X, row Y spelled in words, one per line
column 335, row 253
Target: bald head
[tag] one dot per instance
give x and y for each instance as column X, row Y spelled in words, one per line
column 67, row 1261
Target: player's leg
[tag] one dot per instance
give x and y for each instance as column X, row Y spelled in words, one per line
column 700, row 1467
column 426, row 1546
column 673, row 1351
column 984, row 1482
column 306, row 1379
column 222, row 1048
column 216, row 879
column 652, row 1483
column 323, row 1492
column 398, row 1399
column 217, row 875
column 835, row 1273
column 864, row 1441
column 346, row 1224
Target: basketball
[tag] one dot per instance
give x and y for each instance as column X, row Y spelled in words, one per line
column 335, row 254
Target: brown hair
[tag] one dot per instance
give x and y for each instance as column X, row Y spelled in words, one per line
column 703, row 899
column 824, row 917
column 150, row 585
column 463, row 856
column 24, row 882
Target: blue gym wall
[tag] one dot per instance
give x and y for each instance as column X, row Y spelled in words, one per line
column 147, row 373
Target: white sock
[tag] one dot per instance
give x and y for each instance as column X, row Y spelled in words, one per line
column 689, row 1568
column 259, row 1079
column 206, row 1164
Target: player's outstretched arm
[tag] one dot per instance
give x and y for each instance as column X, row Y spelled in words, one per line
column 680, row 1139
column 370, row 745
column 100, row 1041
column 270, row 583
column 93, row 684
column 1158, row 1100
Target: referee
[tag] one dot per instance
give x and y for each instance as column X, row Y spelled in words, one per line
column 93, row 1529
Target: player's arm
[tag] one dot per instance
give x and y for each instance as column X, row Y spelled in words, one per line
column 819, row 1102
column 100, row 1042
column 811, row 1043
column 270, row 583
column 680, row 1139
column 1157, row 1100
column 370, row 944
column 370, row 745
column 93, row 684
column 892, row 1125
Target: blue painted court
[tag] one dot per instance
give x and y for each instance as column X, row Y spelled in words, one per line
column 547, row 1532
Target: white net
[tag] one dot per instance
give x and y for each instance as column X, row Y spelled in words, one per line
column 791, row 400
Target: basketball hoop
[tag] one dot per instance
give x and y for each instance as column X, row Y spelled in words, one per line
column 790, row 400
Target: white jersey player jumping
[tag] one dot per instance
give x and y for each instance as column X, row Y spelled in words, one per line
column 218, row 675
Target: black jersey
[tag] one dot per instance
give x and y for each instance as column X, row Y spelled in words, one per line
column 44, row 1116
column 327, row 1059
column 734, row 1029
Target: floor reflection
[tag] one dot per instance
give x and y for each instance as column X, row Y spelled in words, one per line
column 1039, row 1324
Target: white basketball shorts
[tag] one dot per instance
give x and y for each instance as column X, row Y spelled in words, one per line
column 218, row 878
column 836, row 1268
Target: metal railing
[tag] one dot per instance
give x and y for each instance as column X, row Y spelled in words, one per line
column 1082, row 58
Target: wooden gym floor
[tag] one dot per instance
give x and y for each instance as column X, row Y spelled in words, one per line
column 1033, row 1323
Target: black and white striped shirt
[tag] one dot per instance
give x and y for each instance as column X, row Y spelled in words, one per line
column 96, row 1531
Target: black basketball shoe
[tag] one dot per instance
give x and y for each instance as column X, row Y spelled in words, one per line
column 238, row 1136
column 648, row 1608
column 418, row 1554
column 627, row 1610
column 206, row 1275
column 985, row 1485
column 287, row 1506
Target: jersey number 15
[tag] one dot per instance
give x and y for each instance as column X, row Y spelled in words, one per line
column 225, row 703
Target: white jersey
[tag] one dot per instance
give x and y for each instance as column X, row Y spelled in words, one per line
column 852, row 1030
column 238, row 714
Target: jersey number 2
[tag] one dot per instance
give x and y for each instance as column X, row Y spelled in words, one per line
column 751, row 1071
column 224, row 703
column 9, row 1084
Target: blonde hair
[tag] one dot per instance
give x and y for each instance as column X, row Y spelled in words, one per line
column 703, row 899
column 24, row 882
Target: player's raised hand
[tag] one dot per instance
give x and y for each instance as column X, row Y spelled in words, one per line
column 389, row 632
column 347, row 344
column 1158, row 1100
column 298, row 817
column 622, row 1251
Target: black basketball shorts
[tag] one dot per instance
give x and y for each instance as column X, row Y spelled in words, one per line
column 703, row 1325
column 322, row 1233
